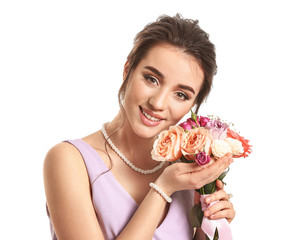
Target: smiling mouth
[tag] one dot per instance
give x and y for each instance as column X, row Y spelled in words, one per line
column 148, row 116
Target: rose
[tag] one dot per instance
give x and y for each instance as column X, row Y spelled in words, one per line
column 186, row 125
column 245, row 143
column 167, row 146
column 202, row 158
column 220, row 148
column 203, row 121
column 236, row 146
column 217, row 129
column 195, row 141
column 189, row 124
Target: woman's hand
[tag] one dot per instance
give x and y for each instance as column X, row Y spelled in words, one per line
column 223, row 208
column 187, row 176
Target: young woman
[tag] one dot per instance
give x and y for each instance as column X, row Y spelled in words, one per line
column 97, row 187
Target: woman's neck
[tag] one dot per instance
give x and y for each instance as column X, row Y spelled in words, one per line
column 135, row 148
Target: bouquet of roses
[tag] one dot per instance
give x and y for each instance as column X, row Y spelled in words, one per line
column 202, row 140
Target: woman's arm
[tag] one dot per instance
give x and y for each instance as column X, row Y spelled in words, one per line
column 68, row 195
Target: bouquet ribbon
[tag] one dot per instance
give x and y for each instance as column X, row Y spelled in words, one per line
column 209, row 226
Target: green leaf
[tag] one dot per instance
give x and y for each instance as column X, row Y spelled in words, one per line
column 216, row 235
column 210, row 188
column 183, row 159
column 196, row 215
column 223, row 174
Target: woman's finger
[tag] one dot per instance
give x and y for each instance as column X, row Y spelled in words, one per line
column 183, row 168
column 219, row 184
column 217, row 168
column 212, row 172
column 217, row 196
column 221, row 209
column 228, row 214
column 217, row 207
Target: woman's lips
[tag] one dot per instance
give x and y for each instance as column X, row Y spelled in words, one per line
column 152, row 114
column 149, row 118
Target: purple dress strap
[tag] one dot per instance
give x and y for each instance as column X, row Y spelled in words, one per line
column 114, row 206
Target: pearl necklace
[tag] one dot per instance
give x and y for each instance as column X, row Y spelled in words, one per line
column 131, row 165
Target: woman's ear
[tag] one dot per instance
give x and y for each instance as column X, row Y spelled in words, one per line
column 126, row 70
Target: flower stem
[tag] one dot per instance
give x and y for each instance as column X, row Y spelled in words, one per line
column 213, row 188
column 194, row 117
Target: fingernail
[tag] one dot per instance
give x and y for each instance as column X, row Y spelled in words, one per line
column 207, row 213
column 208, row 199
column 212, row 216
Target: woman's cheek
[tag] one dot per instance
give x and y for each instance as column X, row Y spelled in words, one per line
column 178, row 111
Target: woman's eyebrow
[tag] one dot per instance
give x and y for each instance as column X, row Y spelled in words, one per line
column 154, row 70
column 187, row 88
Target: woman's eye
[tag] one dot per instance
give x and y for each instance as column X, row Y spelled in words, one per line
column 182, row 96
column 151, row 79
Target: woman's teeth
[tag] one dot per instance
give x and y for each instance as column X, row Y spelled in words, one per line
column 150, row 117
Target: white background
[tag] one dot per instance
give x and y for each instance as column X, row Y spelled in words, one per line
column 61, row 66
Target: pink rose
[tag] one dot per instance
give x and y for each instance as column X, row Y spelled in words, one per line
column 195, row 141
column 167, row 146
column 189, row 124
column 203, row 121
column 186, row 125
column 202, row 158
column 217, row 129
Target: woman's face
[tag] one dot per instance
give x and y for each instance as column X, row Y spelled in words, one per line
column 161, row 90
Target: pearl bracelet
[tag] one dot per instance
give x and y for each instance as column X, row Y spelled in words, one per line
column 157, row 189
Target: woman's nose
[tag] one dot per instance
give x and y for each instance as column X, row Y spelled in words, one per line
column 159, row 101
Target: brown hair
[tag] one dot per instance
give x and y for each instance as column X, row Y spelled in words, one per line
column 182, row 33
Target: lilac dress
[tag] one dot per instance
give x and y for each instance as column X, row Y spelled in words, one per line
column 114, row 207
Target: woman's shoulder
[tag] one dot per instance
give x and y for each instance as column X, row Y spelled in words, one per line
column 62, row 161
column 61, row 152
column 64, row 153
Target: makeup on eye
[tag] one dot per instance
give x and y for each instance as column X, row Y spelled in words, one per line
column 154, row 76
column 151, row 79
column 182, row 96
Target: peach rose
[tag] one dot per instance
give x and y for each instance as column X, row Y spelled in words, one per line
column 167, row 146
column 195, row 141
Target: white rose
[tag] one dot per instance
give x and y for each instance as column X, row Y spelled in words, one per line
column 236, row 146
column 220, row 148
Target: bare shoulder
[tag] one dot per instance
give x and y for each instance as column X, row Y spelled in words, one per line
column 66, row 157
column 62, row 157
column 63, row 149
